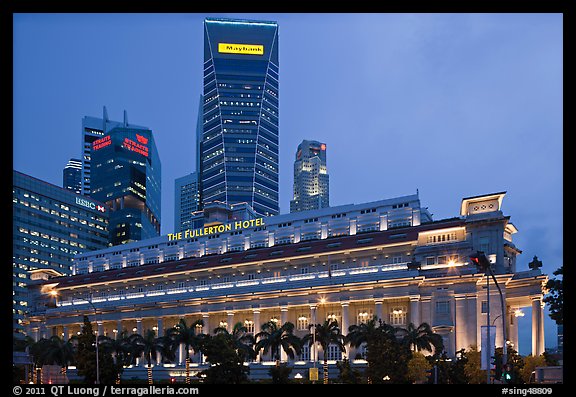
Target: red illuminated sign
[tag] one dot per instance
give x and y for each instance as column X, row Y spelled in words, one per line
column 323, row 146
column 143, row 140
column 102, row 142
column 135, row 146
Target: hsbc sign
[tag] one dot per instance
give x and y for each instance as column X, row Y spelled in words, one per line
column 90, row 204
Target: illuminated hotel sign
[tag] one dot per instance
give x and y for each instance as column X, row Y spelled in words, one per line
column 210, row 230
column 89, row 204
column 138, row 147
column 252, row 49
column 102, row 142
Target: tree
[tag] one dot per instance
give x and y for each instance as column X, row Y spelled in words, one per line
column 457, row 369
column 555, row 297
column 530, row 364
column 243, row 341
column 226, row 360
column 272, row 338
column 326, row 334
column 86, row 357
column 347, row 374
column 421, row 338
column 280, row 374
column 387, row 358
column 187, row 335
column 472, row 367
column 58, row 352
column 145, row 345
column 417, row 368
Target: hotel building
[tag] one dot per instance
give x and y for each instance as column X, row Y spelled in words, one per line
column 386, row 258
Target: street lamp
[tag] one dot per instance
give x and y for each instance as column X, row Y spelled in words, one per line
column 97, row 364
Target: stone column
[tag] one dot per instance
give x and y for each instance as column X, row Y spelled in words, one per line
column 256, row 321
column 378, row 309
column 460, row 322
column 119, row 328
column 537, row 326
column 314, row 351
column 513, row 328
column 139, row 360
column 230, row 321
column 283, row 320
column 65, row 332
column 159, row 334
column 345, row 324
column 415, row 315
column 206, row 327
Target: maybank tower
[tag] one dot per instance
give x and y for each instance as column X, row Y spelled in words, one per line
column 238, row 132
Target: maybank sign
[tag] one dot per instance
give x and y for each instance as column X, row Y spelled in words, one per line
column 252, row 49
column 210, row 230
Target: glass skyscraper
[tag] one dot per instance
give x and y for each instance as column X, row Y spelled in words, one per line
column 94, row 128
column 126, row 175
column 185, row 201
column 50, row 225
column 72, row 176
column 311, row 179
column 239, row 137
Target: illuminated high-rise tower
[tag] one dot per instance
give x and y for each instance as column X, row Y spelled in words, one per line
column 311, row 180
column 238, row 140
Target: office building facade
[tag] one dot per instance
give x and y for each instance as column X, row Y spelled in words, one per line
column 126, row 175
column 72, row 176
column 49, row 226
column 239, row 135
column 94, row 128
column 186, row 201
column 311, row 179
column 361, row 263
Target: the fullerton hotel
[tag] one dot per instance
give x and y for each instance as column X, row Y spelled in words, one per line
column 386, row 258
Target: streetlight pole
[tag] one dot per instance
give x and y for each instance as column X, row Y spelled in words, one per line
column 97, row 364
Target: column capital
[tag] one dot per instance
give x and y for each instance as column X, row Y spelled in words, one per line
column 345, row 303
column 378, row 301
column 205, row 315
column 414, row 298
column 283, row 309
column 256, row 311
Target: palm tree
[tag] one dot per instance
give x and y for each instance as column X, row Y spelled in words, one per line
column 364, row 333
column 37, row 351
column 167, row 347
column 146, row 345
column 272, row 338
column 58, row 352
column 119, row 348
column 420, row 338
column 243, row 341
column 326, row 334
column 182, row 333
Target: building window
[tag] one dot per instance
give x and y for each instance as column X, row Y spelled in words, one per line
column 430, row 260
column 398, row 315
column 334, row 352
column 484, row 307
column 302, row 323
column 442, row 307
column 249, row 324
column 305, row 353
column 364, row 316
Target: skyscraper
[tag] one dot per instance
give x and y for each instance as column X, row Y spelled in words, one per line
column 126, row 175
column 311, row 180
column 186, row 198
column 49, row 226
column 239, row 137
column 94, row 128
column 72, row 176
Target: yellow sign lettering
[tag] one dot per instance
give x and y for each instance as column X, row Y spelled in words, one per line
column 251, row 49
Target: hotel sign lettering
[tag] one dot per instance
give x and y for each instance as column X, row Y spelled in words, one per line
column 210, row 230
column 251, row 49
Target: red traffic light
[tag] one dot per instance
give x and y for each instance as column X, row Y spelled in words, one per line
column 480, row 260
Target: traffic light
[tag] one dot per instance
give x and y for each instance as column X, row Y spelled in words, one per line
column 497, row 363
column 507, row 374
column 480, row 260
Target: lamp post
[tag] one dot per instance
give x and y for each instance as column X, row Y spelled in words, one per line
column 97, row 364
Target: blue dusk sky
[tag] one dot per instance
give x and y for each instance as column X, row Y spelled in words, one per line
column 454, row 105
